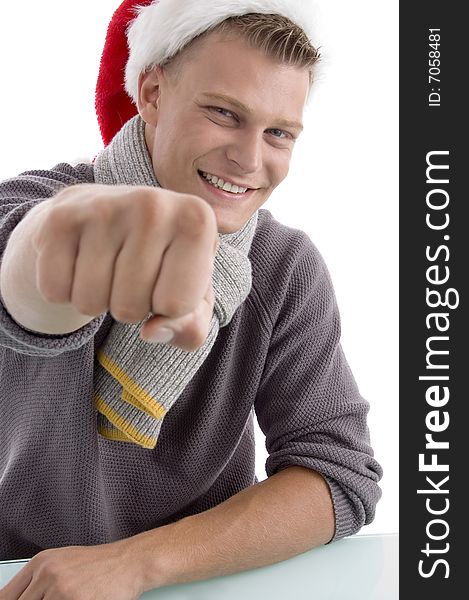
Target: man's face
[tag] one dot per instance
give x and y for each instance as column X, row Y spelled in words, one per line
column 229, row 116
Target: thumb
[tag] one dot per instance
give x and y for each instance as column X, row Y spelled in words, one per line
column 188, row 332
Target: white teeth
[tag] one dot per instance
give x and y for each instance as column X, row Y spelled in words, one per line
column 226, row 186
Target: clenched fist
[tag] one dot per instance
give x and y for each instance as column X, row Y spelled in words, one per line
column 127, row 250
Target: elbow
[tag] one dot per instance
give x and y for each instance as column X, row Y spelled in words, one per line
column 353, row 509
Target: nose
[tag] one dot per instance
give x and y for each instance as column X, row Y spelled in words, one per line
column 246, row 150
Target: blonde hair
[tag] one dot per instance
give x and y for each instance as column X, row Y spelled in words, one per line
column 275, row 35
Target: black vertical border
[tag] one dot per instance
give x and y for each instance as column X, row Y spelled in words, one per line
column 423, row 129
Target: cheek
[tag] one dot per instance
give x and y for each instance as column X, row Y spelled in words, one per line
column 279, row 169
column 193, row 139
column 204, row 145
column 172, row 124
column 205, row 136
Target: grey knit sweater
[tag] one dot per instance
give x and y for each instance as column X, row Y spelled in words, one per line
column 61, row 483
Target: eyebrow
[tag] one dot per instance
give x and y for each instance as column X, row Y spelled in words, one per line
column 246, row 109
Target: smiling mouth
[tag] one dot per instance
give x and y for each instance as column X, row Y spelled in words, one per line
column 220, row 184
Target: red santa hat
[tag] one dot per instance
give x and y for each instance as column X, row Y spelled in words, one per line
column 145, row 33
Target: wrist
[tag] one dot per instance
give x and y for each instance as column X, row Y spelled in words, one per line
column 18, row 282
column 148, row 558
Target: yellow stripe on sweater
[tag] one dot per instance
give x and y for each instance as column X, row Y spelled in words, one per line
column 157, row 410
column 153, row 411
column 130, row 431
column 115, row 435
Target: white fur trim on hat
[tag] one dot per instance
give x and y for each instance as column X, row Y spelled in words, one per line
column 163, row 28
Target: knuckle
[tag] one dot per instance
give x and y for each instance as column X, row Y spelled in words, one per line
column 84, row 308
column 47, row 566
column 127, row 314
column 101, row 210
column 71, row 190
column 51, row 570
column 36, row 561
column 62, row 195
column 148, row 199
column 150, row 210
column 58, row 216
column 83, row 305
column 147, row 196
column 92, row 309
column 63, row 590
column 196, row 217
column 196, row 334
column 175, row 307
column 51, row 292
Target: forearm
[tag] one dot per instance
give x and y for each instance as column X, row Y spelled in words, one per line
column 18, row 288
column 278, row 518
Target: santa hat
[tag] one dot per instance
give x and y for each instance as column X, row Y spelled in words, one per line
column 144, row 33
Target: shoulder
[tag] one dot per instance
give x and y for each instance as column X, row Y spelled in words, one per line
column 63, row 173
column 284, row 262
column 278, row 247
column 43, row 183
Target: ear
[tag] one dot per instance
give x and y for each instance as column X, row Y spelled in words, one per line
column 149, row 91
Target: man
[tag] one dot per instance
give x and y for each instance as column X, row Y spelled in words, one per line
column 149, row 306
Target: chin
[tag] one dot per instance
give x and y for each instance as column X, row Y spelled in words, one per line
column 223, row 229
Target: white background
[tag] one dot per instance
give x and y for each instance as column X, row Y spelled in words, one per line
column 342, row 188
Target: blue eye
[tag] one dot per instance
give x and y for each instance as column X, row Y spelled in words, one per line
column 222, row 111
column 279, row 133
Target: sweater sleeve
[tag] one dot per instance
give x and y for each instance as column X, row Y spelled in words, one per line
column 308, row 404
column 18, row 196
